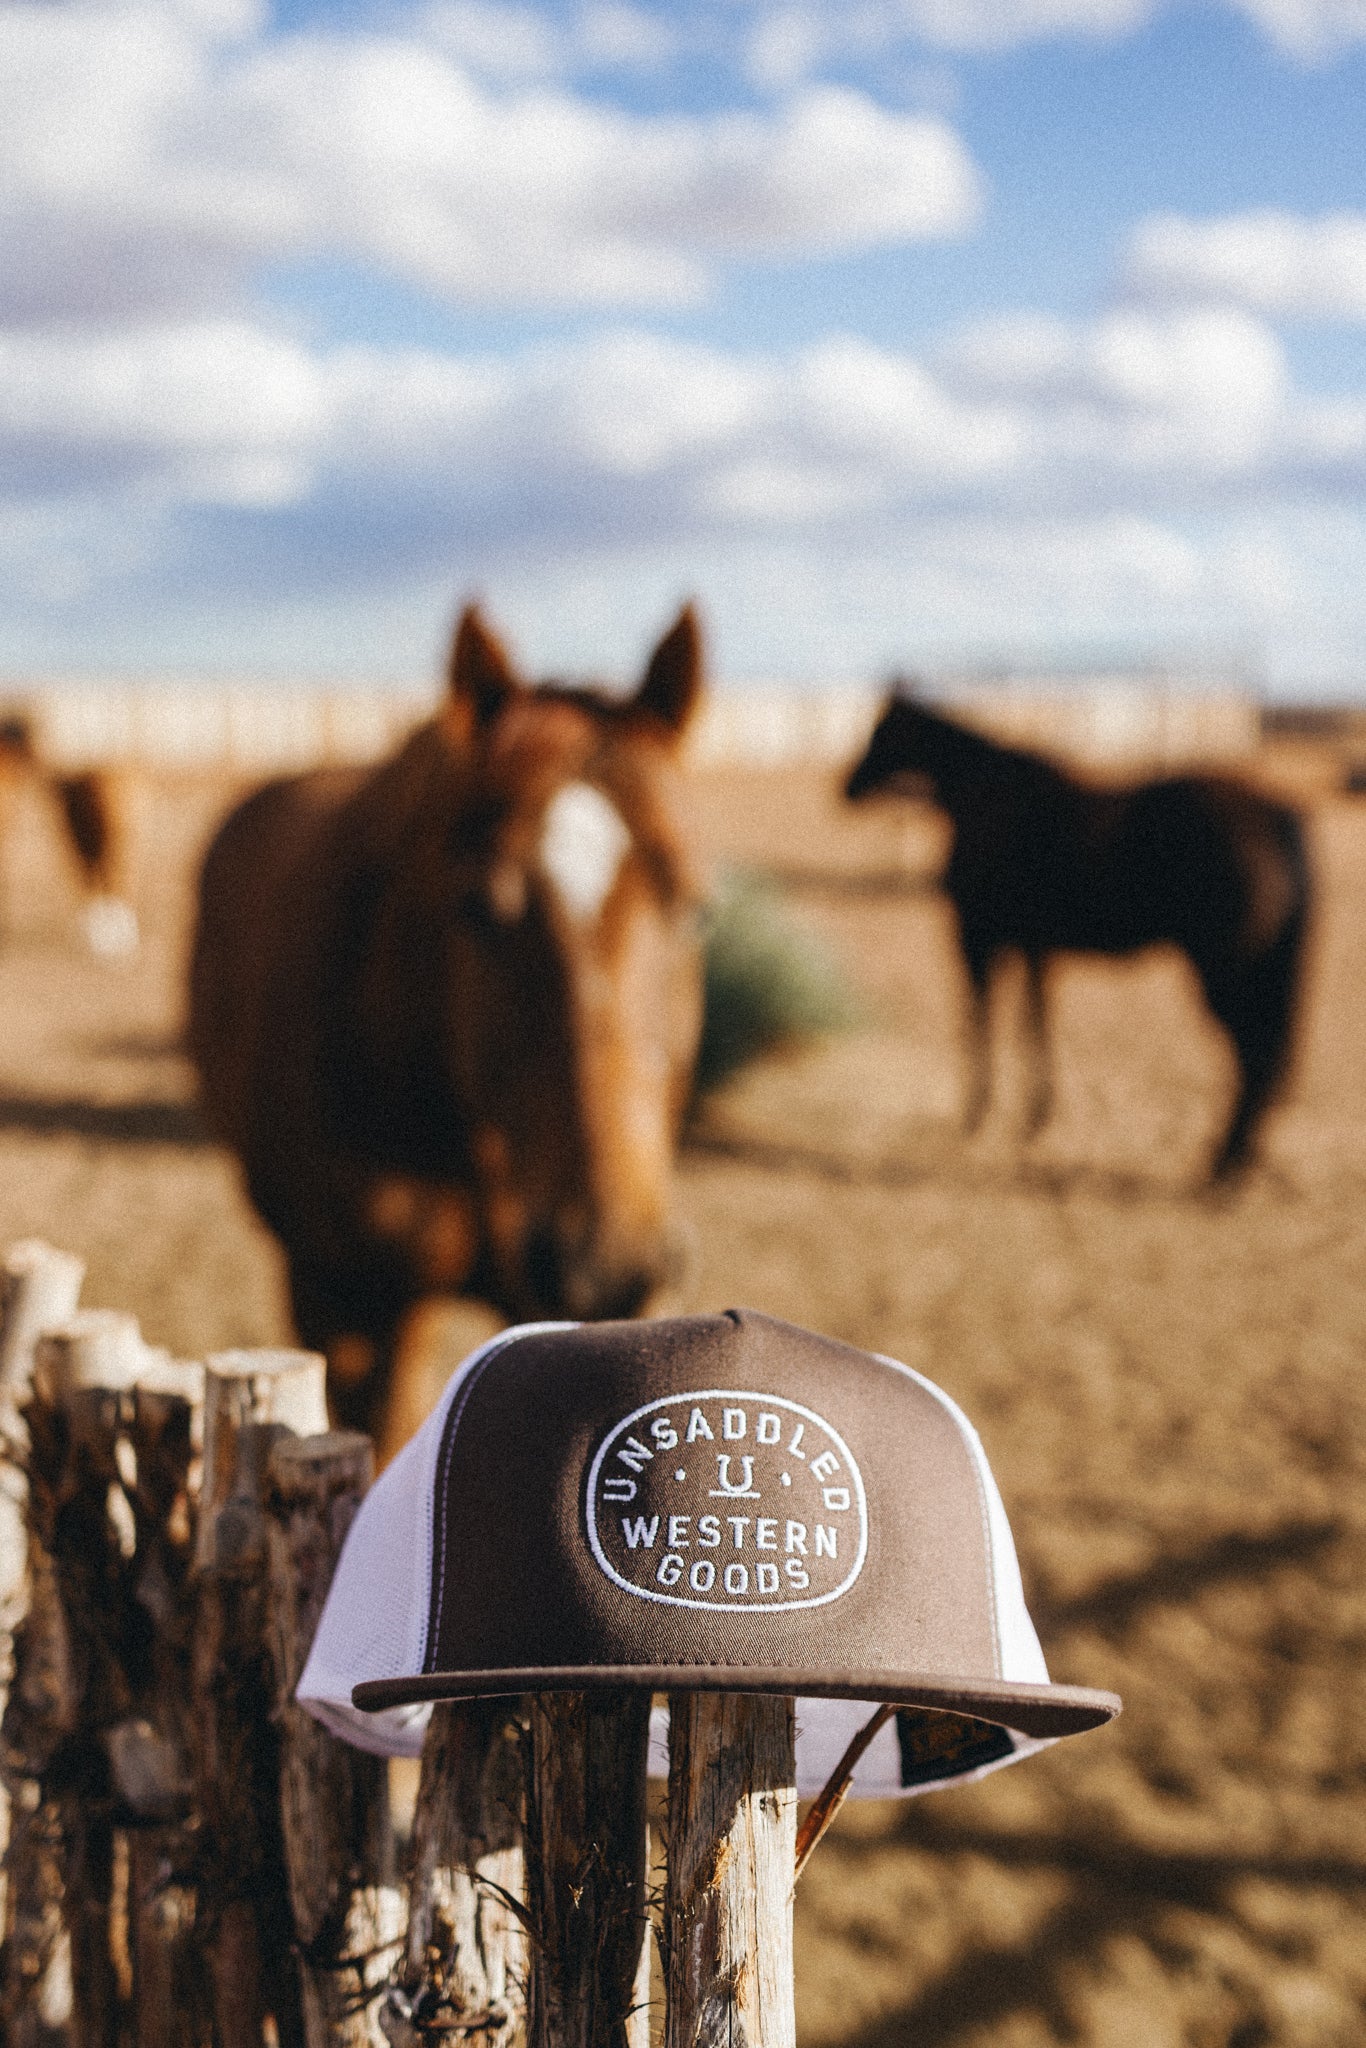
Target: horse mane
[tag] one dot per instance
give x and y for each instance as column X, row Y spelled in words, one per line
column 963, row 749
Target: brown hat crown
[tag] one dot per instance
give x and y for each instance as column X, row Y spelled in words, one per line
column 709, row 1501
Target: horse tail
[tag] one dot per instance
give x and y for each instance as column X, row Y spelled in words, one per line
column 1258, row 1004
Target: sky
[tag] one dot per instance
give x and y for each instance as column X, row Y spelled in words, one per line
column 928, row 335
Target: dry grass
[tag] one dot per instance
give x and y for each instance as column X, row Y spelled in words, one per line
column 770, row 985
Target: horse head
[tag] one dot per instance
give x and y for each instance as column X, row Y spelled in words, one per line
column 573, row 1005
column 910, row 750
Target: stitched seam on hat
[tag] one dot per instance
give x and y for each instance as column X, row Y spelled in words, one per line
column 452, row 1424
column 973, row 1445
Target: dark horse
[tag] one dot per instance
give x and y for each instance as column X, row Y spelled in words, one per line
column 1043, row 863
column 446, row 1011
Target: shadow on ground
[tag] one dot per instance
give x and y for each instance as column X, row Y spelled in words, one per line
column 1114, row 1891
column 117, row 1123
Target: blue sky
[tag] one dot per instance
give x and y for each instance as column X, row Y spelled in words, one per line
column 899, row 332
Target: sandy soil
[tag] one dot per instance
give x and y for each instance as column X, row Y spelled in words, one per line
column 1169, row 1387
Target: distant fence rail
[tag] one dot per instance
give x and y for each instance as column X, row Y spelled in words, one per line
column 252, row 729
column 1117, row 723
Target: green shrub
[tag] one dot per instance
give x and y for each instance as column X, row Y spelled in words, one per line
column 768, row 982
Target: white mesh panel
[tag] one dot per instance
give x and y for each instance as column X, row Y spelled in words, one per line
column 374, row 1621
column 1021, row 1657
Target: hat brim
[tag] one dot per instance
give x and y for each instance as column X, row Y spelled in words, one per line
column 1037, row 1710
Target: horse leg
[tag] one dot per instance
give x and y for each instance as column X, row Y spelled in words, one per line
column 1256, row 1006
column 1039, row 1100
column 435, row 1335
column 1258, row 1073
column 977, row 1035
column 388, row 1359
column 356, row 1335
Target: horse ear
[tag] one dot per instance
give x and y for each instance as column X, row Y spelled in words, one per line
column 672, row 684
column 481, row 675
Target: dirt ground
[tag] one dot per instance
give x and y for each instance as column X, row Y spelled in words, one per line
column 1169, row 1387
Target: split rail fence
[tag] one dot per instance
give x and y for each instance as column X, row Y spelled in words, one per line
column 193, row 1862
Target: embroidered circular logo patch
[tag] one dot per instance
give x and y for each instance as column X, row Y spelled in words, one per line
column 721, row 1499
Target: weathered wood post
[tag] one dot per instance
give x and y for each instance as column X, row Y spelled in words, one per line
column 38, row 1287
column 80, row 1374
column 150, row 1751
column 334, row 1800
column 465, row 1966
column 587, row 1850
column 92, row 1672
column 71, row 1685
column 728, row 1893
column 251, row 1400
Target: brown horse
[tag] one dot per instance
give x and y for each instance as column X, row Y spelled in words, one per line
column 91, row 815
column 1043, row 863
column 446, row 1011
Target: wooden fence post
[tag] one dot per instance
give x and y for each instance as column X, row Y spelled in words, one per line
column 38, row 1287
column 89, row 1658
column 150, row 1751
column 464, row 1971
column 70, row 1687
column 251, row 1399
column 334, row 1800
column 586, row 1865
column 728, row 1892
column 80, row 1373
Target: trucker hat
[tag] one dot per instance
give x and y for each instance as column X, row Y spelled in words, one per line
column 721, row 1502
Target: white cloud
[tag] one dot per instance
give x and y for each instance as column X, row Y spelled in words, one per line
column 509, row 44
column 832, row 171
column 152, row 163
column 790, row 44
column 949, row 591
column 1268, row 260
column 795, row 38
column 1312, row 30
column 512, row 43
column 837, row 508
column 619, row 430
column 167, row 448
column 1332, row 433
column 613, row 35
column 999, row 24
column 1193, row 395
column 778, row 43
column 220, row 411
column 789, row 40
column 1034, row 568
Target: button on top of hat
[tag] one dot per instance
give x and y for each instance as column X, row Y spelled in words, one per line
column 727, row 1498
